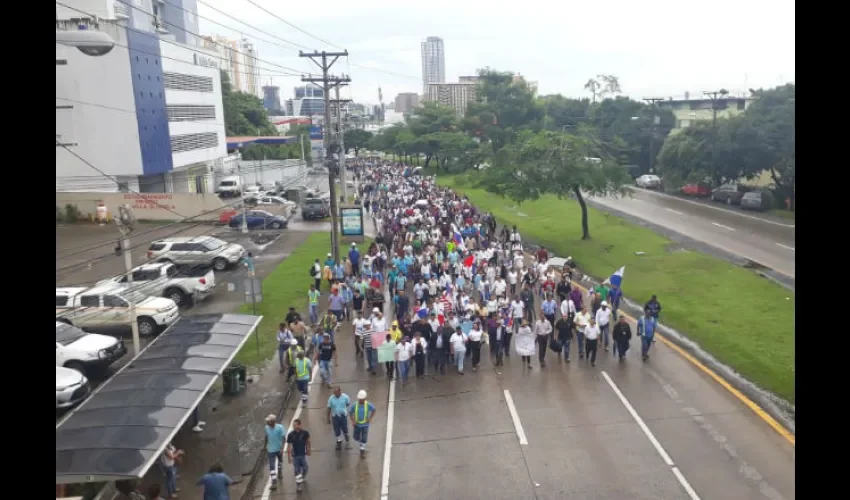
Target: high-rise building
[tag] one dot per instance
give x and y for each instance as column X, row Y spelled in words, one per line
column 433, row 62
column 271, row 98
column 174, row 138
column 238, row 58
column 453, row 95
column 309, row 91
column 406, row 101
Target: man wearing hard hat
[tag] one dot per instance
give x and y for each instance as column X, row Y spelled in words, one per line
column 361, row 413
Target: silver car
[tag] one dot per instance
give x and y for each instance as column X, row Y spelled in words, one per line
column 648, row 181
column 201, row 250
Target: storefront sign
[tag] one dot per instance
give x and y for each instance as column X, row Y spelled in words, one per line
column 204, row 60
column 149, row 201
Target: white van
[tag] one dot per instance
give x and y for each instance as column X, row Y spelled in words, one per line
column 230, row 186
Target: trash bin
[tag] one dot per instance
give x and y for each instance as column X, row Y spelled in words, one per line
column 233, row 379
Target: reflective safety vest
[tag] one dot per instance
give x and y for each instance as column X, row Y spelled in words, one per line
column 292, row 351
column 365, row 419
column 301, row 368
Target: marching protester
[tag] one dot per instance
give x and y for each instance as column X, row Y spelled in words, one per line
column 338, row 406
column 622, row 334
column 361, row 413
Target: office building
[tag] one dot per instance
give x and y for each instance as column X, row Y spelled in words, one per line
column 309, row 91
column 405, row 102
column 271, row 98
column 148, row 114
column 453, row 95
column 238, row 58
column 433, row 62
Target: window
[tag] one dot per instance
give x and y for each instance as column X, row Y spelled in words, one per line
column 114, row 301
column 90, row 301
column 181, row 81
column 191, row 142
column 171, row 271
column 61, row 300
column 181, row 247
column 188, row 112
column 145, row 275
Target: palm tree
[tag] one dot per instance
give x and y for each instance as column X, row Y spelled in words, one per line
column 592, row 86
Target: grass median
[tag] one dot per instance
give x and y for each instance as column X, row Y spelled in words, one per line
column 741, row 318
column 285, row 287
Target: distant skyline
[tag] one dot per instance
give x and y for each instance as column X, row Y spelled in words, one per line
column 657, row 48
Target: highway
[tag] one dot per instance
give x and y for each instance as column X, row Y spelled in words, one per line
column 766, row 242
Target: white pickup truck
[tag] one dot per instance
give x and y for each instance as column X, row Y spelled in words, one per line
column 109, row 306
column 184, row 285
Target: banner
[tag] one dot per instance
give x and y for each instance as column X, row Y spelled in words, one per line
column 386, row 352
column 378, row 338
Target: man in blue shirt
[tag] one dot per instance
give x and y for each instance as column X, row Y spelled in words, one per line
column 362, row 412
column 275, row 437
column 646, row 331
column 354, row 257
column 215, row 483
column 549, row 305
column 338, row 405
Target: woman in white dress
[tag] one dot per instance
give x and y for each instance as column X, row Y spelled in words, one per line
column 524, row 343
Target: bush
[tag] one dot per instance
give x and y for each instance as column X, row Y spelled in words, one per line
column 768, row 201
column 59, row 216
column 72, row 213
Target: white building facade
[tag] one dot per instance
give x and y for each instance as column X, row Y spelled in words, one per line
column 238, row 58
column 453, row 95
column 147, row 116
column 433, row 62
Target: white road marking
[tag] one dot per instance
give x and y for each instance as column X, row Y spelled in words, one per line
column 388, row 445
column 674, row 211
column 267, row 489
column 722, row 226
column 515, row 417
column 706, row 205
column 786, row 247
column 664, row 456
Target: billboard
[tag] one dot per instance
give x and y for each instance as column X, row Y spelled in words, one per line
column 351, row 223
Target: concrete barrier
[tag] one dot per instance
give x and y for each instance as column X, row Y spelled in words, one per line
column 148, row 206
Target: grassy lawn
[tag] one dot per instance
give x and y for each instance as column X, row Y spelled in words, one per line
column 743, row 319
column 285, row 287
column 784, row 214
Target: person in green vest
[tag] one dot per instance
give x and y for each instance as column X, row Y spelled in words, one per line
column 313, row 297
column 303, row 370
column 361, row 413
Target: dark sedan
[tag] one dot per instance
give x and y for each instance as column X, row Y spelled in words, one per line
column 259, row 219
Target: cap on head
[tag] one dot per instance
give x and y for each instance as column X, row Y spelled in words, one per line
column 376, row 310
column 361, row 394
column 329, row 254
column 604, row 304
column 271, row 418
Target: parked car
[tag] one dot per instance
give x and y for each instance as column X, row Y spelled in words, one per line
column 259, row 219
column 254, row 190
column 184, row 284
column 109, row 306
column 698, row 190
column 203, row 250
column 230, row 187
column 730, row 194
column 86, row 352
column 315, row 208
column 756, row 200
column 71, row 387
column 648, row 181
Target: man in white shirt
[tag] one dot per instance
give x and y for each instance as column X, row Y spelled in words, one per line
column 361, row 324
column 517, row 313
column 512, row 278
column 433, row 284
column 568, row 309
column 542, row 329
column 591, row 336
column 582, row 319
column 379, row 323
column 500, row 287
column 458, row 343
column 603, row 321
column 475, row 336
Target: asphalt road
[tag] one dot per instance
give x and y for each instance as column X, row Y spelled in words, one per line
column 655, row 430
column 764, row 241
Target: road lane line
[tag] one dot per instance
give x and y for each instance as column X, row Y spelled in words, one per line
column 674, row 211
column 786, row 247
column 520, row 433
column 660, row 449
column 267, row 489
column 388, row 445
column 722, row 226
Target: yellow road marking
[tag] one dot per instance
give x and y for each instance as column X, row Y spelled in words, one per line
column 779, row 428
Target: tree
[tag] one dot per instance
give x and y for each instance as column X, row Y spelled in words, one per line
column 357, row 139
column 564, row 165
column 426, row 120
column 593, row 86
column 561, row 111
column 504, row 107
column 243, row 113
column 610, row 85
column 773, row 116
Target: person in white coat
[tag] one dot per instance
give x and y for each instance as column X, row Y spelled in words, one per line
column 524, row 342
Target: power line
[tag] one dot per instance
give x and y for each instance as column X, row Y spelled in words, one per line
column 255, row 4
column 240, row 22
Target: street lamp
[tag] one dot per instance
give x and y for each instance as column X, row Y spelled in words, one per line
column 91, row 43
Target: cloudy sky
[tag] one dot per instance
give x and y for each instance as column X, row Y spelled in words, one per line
column 658, row 48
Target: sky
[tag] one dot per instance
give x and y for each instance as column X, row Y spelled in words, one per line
column 657, row 48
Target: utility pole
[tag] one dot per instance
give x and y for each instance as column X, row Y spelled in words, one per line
column 325, row 60
column 714, row 96
column 244, row 227
column 653, row 104
column 126, row 223
column 340, row 133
